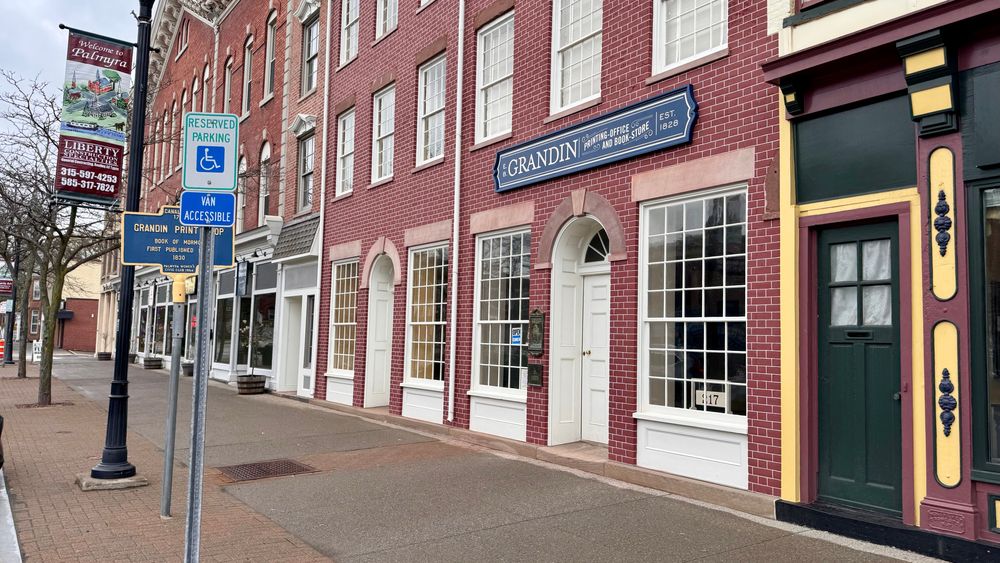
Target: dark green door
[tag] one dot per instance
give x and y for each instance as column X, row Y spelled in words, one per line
column 860, row 438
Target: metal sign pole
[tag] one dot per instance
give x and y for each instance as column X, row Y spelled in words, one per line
column 175, row 370
column 8, row 351
column 206, row 298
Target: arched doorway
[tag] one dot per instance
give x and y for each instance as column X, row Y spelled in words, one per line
column 379, row 349
column 580, row 333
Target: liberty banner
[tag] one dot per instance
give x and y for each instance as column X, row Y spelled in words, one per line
column 94, row 112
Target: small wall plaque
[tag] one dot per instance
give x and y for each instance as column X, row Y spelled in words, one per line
column 535, row 375
column 536, row 333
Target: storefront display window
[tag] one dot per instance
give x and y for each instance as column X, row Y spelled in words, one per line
column 223, row 330
column 991, row 270
column 694, row 307
column 502, row 310
column 190, row 328
column 426, row 320
column 262, row 340
column 342, row 316
column 243, row 332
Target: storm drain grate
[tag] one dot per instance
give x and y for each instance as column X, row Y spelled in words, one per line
column 264, row 469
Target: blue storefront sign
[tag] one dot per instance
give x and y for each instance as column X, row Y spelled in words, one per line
column 664, row 121
column 160, row 240
column 205, row 209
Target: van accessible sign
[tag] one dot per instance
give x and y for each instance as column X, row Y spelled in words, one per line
column 210, row 147
column 664, row 121
column 160, row 239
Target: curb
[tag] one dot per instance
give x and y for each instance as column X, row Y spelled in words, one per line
column 10, row 551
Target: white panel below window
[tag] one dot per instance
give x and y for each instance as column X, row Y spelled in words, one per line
column 699, row 453
column 423, row 404
column 507, row 419
column 340, row 391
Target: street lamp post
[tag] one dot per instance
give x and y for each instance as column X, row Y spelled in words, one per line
column 114, row 460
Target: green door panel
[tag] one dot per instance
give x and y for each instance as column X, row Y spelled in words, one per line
column 860, row 435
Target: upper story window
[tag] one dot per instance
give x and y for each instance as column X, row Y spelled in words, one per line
column 348, row 30
column 386, row 14
column 206, row 101
column 430, row 110
column 576, row 52
column 227, row 87
column 494, row 77
column 241, row 194
column 180, row 129
column 345, row 152
column 310, row 55
column 175, row 135
column 307, row 157
column 270, row 54
column 684, row 30
column 247, row 74
column 264, row 184
column 36, row 290
column 383, row 132
column 195, row 87
column 35, row 322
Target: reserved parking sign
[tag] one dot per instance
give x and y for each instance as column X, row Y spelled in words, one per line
column 210, row 147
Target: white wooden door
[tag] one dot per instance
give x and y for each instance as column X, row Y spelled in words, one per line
column 596, row 333
column 567, row 362
column 307, row 369
column 379, row 356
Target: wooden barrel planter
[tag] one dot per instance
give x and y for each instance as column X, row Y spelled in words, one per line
column 187, row 369
column 250, row 384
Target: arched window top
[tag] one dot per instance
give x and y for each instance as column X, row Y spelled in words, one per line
column 598, row 248
column 265, row 152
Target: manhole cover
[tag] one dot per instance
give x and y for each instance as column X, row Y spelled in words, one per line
column 264, row 469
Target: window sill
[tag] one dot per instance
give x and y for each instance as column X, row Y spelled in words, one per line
column 345, row 375
column 266, row 99
column 344, row 64
column 430, row 163
column 733, row 424
column 690, row 65
column 409, row 383
column 573, row 109
column 497, row 395
column 306, row 95
column 181, row 52
column 424, row 7
column 382, row 182
column 491, row 141
column 344, row 195
column 387, row 34
column 302, row 212
column 244, row 116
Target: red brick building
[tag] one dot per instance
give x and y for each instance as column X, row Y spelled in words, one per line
column 551, row 226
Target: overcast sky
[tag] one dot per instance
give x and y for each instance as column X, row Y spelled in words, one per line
column 32, row 43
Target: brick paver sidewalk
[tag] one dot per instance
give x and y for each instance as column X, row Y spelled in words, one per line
column 46, row 447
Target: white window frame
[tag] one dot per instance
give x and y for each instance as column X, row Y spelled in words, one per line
column 345, row 171
column 227, row 87
column 270, row 56
column 334, row 325
column 659, row 38
column 407, row 356
column 264, row 183
column 481, row 133
column 300, row 203
column 381, row 139
column 348, row 30
column 36, row 321
column 241, row 194
column 386, row 17
column 247, row 76
column 180, row 130
column 425, row 117
column 195, row 94
column 520, row 394
column 206, row 99
column 556, row 105
column 36, row 290
column 174, row 131
column 310, row 59
column 670, row 413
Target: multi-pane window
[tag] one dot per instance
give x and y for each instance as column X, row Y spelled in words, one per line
column 694, row 307
column 264, row 184
column 348, row 30
column 307, row 157
column 384, row 129
column 310, row 55
column 227, row 87
column 206, row 101
column 576, row 65
column 247, row 74
column 386, row 14
column 270, row 56
column 502, row 310
column 35, row 321
column 495, row 77
column 990, row 294
column 687, row 29
column 195, row 87
column 345, row 152
column 36, row 290
column 241, row 194
column 430, row 111
column 180, row 130
column 866, row 299
column 343, row 310
column 175, row 137
column 426, row 320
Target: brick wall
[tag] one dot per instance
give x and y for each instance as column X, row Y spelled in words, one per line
column 77, row 334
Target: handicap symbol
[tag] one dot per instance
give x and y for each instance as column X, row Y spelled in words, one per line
column 211, row 159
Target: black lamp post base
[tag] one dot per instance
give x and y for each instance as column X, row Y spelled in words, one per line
column 120, row 470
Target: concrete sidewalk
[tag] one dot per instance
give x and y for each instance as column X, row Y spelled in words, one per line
column 377, row 492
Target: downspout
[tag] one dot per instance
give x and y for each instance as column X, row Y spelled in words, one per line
column 460, row 72
column 322, row 200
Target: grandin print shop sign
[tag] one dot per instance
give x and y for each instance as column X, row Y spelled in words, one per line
column 661, row 122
